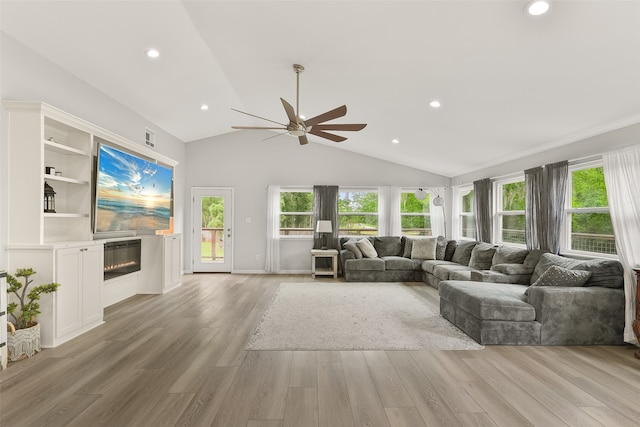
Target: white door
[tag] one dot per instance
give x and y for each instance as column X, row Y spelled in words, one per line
column 212, row 229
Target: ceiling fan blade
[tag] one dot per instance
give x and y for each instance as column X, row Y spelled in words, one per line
column 291, row 114
column 303, row 139
column 258, row 117
column 329, row 115
column 336, row 138
column 336, row 126
column 255, row 127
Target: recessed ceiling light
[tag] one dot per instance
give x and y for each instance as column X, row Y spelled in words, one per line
column 537, row 7
column 204, row 107
column 435, row 104
column 152, row 53
column 395, row 141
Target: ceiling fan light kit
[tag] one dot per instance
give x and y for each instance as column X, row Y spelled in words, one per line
column 299, row 127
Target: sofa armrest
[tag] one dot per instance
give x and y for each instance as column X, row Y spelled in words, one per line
column 579, row 315
column 344, row 255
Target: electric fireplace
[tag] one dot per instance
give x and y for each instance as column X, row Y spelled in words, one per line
column 121, row 257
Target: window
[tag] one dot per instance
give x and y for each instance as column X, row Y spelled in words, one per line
column 358, row 212
column 415, row 218
column 296, row 213
column 467, row 221
column 588, row 223
column 510, row 211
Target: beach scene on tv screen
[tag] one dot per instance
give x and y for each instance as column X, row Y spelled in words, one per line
column 131, row 193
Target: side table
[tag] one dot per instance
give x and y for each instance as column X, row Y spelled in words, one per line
column 324, row 271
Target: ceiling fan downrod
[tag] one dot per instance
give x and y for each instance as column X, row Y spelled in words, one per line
column 298, row 69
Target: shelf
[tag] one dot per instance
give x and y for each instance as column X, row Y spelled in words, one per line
column 64, row 215
column 64, row 179
column 64, row 149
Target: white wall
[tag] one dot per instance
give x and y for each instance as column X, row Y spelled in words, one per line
column 585, row 148
column 27, row 76
column 243, row 161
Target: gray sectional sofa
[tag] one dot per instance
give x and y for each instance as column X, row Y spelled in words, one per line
column 504, row 295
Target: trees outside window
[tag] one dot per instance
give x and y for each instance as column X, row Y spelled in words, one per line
column 415, row 214
column 296, row 213
column 588, row 222
column 358, row 212
column 510, row 223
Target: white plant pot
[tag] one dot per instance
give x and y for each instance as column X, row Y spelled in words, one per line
column 23, row 343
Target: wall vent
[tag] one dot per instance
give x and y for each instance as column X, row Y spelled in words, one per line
column 149, row 138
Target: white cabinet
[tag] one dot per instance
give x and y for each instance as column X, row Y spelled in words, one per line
column 161, row 263
column 76, row 306
column 78, row 301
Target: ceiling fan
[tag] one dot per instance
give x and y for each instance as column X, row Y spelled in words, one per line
column 300, row 127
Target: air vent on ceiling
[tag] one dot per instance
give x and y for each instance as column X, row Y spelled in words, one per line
column 149, row 138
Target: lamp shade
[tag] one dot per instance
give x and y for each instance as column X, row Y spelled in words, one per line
column 438, row 201
column 324, row 226
column 420, row 194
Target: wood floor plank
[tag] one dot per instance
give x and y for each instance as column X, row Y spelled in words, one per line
column 272, row 385
column 387, row 380
column 429, row 403
column 168, row 410
column 365, row 401
column 264, row 423
column 494, row 404
column 302, row 407
column 609, row 417
column 334, row 408
column 304, row 370
column 405, row 417
column 328, row 356
column 476, row 419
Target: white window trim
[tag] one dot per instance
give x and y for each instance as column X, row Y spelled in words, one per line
column 499, row 212
column 294, row 190
column 565, row 239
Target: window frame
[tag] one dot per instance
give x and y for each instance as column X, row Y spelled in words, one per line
column 377, row 214
column 280, row 213
column 500, row 213
column 461, row 191
column 565, row 238
column 425, row 215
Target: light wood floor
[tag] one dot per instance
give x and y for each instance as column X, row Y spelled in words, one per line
column 178, row 359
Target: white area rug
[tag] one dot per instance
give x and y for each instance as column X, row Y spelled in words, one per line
column 353, row 316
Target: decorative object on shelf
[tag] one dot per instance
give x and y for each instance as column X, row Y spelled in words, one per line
column 49, row 199
column 50, row 170
column 324, row 227
column 420, row 194
column 58, row 173
column 24, row 338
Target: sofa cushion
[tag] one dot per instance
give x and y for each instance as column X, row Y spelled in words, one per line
column 445, row 247
column 533, row 258
column 429, row 265
column 388, row 245
column 365, row 264
column 368, row 251
column 401, row 263
column 489, row 301
column 462, row 254
column 461, row 275
column 351, row 245
column 424, row 248
column 442, row 271
column 604, row 272
column 509, row 255
column 482, row 256
column 560, row 276
column 512, row 269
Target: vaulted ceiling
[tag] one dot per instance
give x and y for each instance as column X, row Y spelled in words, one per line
column 509, row 84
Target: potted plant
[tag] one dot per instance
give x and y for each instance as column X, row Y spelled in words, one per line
column 23, row 339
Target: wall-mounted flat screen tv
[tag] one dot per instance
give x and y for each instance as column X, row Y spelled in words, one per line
column 132, row 194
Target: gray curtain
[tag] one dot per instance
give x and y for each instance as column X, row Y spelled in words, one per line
column 325, row 207
column 534, row 217
column 555, row 185
column 482, row 209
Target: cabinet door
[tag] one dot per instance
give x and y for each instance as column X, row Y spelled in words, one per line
column 92, row 276
column 68, row 307
column 176, row 248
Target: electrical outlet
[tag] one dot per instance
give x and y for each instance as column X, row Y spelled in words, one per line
column 257, row 257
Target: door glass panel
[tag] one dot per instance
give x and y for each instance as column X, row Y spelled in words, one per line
column 212, row 234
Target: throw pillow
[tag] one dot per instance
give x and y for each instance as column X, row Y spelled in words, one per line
column 509, row 255
column 367, row 249
column 408, row 244
column 351, row 245
column 424, row 248
column 462, row 254
column 560, row 276
column 441, row 248
column 481, row 256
